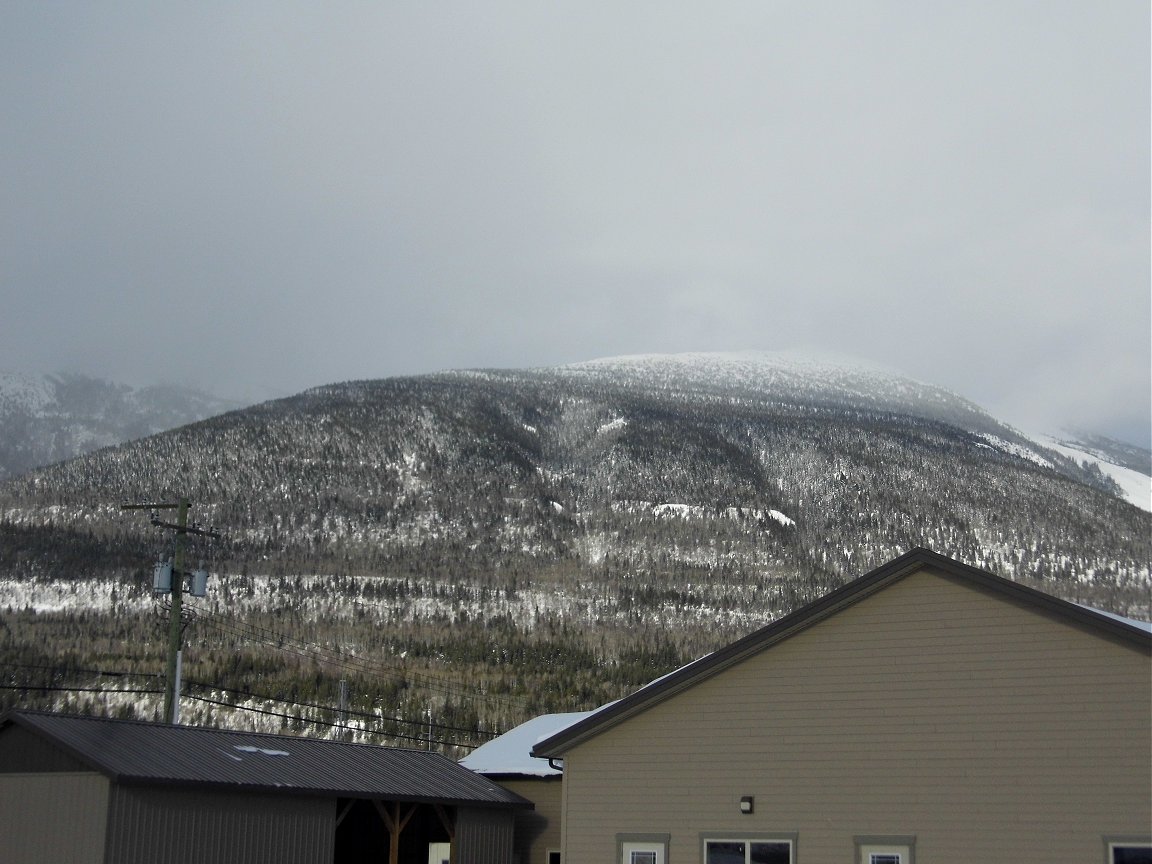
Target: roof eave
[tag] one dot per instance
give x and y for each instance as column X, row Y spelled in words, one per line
column 508, row 800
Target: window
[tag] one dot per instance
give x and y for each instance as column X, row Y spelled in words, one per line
column 885, row 850
column 767, row 850
column 553, row 856
column 642, row 848
column 1129, row 852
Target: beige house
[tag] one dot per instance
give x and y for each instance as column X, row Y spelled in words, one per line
column 928, row 711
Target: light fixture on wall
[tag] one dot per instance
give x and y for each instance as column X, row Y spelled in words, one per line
column 747, row 804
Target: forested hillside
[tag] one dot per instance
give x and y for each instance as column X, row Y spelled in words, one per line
column 469, row 549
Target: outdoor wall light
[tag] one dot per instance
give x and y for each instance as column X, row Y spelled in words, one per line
column 747, row 804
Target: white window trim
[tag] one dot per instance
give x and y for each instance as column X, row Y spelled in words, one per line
column 1110, row 844
column 867, row 846
column 788, row 837
column 626, row 844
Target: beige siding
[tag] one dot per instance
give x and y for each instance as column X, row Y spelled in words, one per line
column 537, row 830
column 987, row 730
column 56, row 818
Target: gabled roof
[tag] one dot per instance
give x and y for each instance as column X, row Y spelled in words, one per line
column 1129, row 632
column 155, row 754
column 510, row 755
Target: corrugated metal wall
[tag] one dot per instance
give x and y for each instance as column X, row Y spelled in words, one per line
column 53, row 818
column 172, row 826
column 484, row 836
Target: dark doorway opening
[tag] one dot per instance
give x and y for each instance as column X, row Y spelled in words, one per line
column 362, row 835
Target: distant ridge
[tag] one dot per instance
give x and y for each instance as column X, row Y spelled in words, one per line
column 52, row 417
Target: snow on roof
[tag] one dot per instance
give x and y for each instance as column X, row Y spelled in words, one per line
column 510, row 753
column 1146, row 626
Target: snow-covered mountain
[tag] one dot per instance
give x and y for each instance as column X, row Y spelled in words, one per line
column 806, row 379
column 551, row 536
column 787, row 378
column 807, row 382
column 50, row 418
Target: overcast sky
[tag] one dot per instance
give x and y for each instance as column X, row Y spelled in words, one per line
column 255, row 198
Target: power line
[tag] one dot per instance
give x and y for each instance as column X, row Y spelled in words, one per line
column 266, row 635
column 248, row 693
column 281, row 641
column 330, row 724
column 310, row 720
column 45, row 688
column 367, row 714
column 69, row 670
column 334, row 657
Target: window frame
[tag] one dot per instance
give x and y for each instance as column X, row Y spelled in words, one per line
column 1112, row 843
column 749, row 837
column 628, row 843
column 903, row 845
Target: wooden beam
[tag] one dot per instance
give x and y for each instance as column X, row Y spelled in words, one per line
column 344, row 812
column 450, row 828
column 407, row 816
column 445, row 820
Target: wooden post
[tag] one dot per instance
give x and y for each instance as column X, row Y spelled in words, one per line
column 176, row 589
column 395, row 823
column 175, row 626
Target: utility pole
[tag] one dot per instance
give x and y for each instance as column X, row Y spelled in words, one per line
column 176, row 590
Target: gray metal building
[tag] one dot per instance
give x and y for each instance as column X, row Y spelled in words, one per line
column 98, row 791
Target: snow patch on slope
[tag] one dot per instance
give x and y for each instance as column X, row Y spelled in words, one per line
column 1136, row 487
column 1014, row 449
column 612, row 425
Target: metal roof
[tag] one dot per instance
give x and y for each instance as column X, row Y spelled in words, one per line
column 1135, row 634
column 151, row 753
column 510, row 754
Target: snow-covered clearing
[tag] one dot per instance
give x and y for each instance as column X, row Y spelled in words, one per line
column 1137, row 487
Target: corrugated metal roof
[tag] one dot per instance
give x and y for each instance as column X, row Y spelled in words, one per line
column 132, row 752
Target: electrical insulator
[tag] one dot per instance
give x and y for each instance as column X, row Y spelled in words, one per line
column 199, row 583
column 162, row 577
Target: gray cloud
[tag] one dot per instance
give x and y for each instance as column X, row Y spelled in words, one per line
column 258, row 198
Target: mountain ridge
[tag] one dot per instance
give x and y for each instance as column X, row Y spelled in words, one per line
column 546, row 536
column 56, row 416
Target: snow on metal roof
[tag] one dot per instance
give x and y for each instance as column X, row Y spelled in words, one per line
column 1146, row 626
column 511, row 752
